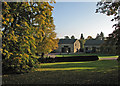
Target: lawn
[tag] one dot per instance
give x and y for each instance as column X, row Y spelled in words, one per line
column 88, row 72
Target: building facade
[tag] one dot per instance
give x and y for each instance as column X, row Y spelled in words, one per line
column 68, row 46
column 93, row 46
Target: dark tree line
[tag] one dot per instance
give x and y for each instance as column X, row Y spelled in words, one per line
column 112, row 8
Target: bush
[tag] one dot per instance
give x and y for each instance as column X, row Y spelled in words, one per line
column 76, row 58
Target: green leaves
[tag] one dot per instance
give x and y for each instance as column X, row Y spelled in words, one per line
column 26, row 28
column 111, row 8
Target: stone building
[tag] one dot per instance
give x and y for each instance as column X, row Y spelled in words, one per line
column 93, row 46
column 68, row 46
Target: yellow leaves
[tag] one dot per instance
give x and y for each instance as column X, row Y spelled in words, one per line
column 4, row 23
column 8, row 56
column 3, row 17
column 26, row 24
column 33, row 45
column 15, row 39
column 13, row 32
column 4, row 54
column 7, row 19
column 32, row 38
column 26, row 55
column 29, row 50
column 20, row 61
column 43, row 12
column 20, row 54
column 26, row 41
column 25, row 66
column 26, row 37
column 27, row 32
column 5, row 3
column 1, row 50
column 3, row 45
column 11, row 53
column 18, row 25
column 6, row 51
column 12, row 19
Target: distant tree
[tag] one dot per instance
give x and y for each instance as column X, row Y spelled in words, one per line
column 100, row 36
column 97, row 37
column 112, row 8
column 66, row 37
column 81, row 36
column 89, row 37
column 72, row 37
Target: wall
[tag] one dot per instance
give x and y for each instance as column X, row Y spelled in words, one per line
column 90, row 47
column 60, row 46
column 76, row 46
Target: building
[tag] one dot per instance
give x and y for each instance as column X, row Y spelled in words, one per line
column 93, row 46
column 68, row 46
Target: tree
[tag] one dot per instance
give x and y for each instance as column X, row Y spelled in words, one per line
column 102, row 34
column 97, row 37
column 28, row 29
column 89, row 37
column 81, row 36
column 72, row 37
column 82, row 42
column 112, row 8
column 100, row 37
column 66, row 37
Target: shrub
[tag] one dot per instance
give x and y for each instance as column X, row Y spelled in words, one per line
column 76, row 58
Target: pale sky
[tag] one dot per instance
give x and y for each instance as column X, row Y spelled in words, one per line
column 74, row 18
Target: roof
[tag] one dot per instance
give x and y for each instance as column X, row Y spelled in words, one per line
column 94, row 42
column 67, row 41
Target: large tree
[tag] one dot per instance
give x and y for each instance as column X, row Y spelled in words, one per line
column 28, row 28
column 112, row 8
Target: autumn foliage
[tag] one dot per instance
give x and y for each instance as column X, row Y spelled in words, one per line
column 28, row 28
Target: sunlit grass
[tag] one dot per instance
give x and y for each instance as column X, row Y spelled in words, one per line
column 108, row 56
column 99, row 56
column 58, row 69
column 57, row 63
column 100, row 65
column 88, row 72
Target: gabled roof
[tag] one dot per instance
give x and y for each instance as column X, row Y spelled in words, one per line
column 94, row 42
column 67, row 41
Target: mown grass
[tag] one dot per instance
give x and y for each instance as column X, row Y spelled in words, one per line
column 89, row 72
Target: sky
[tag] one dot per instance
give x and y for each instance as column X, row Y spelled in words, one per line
column 74, row 18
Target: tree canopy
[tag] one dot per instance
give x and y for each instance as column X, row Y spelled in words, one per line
column 72, row 37
column 89, row 37
column 112, row 8
column 28, row 28
column 81, row 37
column 66, row 37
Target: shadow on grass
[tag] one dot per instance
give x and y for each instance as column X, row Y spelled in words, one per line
column 93, row 72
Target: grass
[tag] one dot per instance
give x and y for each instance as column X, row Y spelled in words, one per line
column 89, row 72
